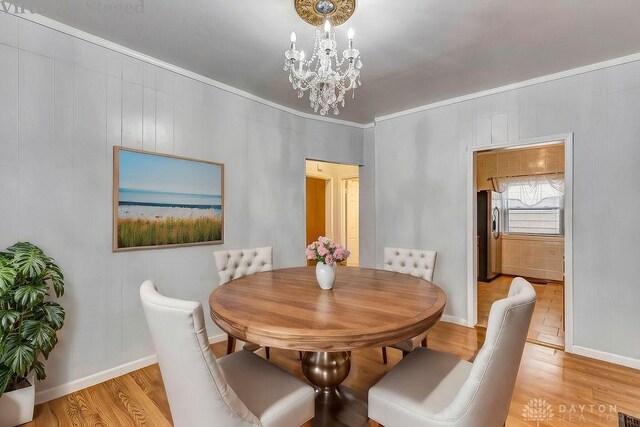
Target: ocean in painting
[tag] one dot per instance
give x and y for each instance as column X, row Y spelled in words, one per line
column 147, row 204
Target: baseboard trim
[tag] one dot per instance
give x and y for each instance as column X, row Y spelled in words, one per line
column 455, row 320
column 606, row 357
column 100, row 377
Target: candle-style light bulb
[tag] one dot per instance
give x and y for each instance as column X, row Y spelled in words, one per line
column 350, row 34
column 327, row 26
column 293, row 41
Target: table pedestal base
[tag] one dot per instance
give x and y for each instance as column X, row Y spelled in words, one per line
column 326, row 370
column 340, row 407
column 336, row 405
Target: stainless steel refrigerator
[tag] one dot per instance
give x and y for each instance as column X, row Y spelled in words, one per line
column 489, row 253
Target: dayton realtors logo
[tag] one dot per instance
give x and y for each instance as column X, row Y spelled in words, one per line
column 540, row 410
column 537, row 410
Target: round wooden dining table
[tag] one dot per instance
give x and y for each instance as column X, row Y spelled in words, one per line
column 287, row 309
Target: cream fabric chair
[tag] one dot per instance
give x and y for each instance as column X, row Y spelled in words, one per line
column 237, row 390
column 233, row 264
column 417, row 263
column 428, row 388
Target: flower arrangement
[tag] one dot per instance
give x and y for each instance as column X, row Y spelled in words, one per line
column 326, row 251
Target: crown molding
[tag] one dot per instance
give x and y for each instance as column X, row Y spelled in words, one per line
column 550, row 77
column 66, row 29
column 83, row 35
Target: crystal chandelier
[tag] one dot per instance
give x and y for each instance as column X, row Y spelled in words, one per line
column 325, row 75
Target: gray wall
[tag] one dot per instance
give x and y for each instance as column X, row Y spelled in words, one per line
column 64, row 104
column 420, row 179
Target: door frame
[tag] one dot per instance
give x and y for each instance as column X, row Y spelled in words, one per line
column 343, row 210
column 472, row 228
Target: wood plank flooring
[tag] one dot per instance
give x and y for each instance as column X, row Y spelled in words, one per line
column 547, row 322
column 574, row 386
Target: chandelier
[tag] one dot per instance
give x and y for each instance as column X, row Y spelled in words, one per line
column 325, row 75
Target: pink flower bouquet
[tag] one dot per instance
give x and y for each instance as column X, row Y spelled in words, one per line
column 326, row 251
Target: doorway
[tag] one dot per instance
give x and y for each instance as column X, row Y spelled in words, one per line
column 333, row 205
column 520, row 215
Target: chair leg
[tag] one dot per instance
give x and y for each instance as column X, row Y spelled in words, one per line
column 424, row 342
column 231, row 344
column 384, row 355
column 266, row 350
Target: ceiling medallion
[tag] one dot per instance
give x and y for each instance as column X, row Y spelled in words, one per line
column 316, row 11
column 325, row 74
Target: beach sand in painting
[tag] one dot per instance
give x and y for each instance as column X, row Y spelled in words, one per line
column 164, row 212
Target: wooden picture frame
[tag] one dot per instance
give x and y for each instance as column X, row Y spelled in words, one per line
column 165, row 201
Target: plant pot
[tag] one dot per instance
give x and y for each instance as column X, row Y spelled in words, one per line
column 17, row 406
column 325, row 275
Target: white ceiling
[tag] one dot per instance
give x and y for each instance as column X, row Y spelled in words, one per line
column 415, row 52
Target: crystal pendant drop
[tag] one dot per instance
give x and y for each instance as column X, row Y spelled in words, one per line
column 327, row 73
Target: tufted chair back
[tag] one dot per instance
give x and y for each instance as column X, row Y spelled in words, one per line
column 196, row 387
column 485, row 397
column 415, row 262
column 242, row 262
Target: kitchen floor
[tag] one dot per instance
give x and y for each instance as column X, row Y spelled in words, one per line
column 547, row 323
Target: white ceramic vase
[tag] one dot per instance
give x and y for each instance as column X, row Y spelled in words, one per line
column 16, row 407
column 325, row 275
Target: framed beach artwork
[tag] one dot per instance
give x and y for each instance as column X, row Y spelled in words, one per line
column 161, row 201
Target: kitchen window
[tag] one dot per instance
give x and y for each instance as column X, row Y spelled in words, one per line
column 534, row 206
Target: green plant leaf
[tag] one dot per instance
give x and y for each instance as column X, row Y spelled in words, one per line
column 57, row 279
column 39, row 334
column 47, row 348
column 19, row 356
column 7, row 275
column 5, row 376
column 30, row 295
column 38, row 367
column 53, row 313
column 8, row 318
column 28, row 259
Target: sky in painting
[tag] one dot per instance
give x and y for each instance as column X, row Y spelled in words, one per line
column 141, row 171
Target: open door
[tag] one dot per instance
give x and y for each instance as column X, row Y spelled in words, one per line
column 316, row 210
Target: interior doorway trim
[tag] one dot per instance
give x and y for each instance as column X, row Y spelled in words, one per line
column 472, row 228
column 343, row 210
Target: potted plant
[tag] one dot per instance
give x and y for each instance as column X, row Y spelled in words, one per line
column 29, row 322
column 327, row 253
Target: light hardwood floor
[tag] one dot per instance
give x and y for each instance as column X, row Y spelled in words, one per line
column 574, row 386
column 547, row 323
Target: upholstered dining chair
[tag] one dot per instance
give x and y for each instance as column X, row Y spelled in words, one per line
column 241, row 389
column 417, row 263
column 233, row 264
column 429, row 388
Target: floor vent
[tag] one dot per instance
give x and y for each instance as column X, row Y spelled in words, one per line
column 625, row 420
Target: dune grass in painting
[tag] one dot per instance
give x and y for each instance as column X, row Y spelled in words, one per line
column 136, row 232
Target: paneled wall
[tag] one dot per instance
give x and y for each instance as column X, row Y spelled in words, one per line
column 525, row 161
column 539, row 257
column 64, row 104
column 421, row 200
